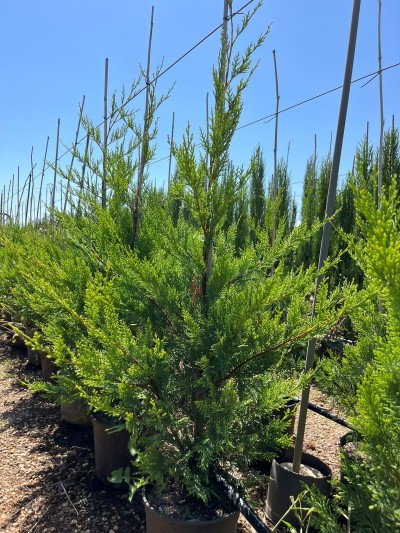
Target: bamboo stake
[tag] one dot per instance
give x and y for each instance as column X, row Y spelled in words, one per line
column 287, row 155
column 12, row 197
column 105, row 140
column 275, row 179
column 330, row 206
column 382, row 119
column 53, row 195
column 315, row 159
column 83, row 172
column 39, row 202
column 30, row 183
column 73, row 151
column 46, row 204
column 18, row 199
column 144, row 149
column 171, row 147
column 392, row 147
column 208, row 137
column 33, row 179
column 366, row 151
column 8, row 199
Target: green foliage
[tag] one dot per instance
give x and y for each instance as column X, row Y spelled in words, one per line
column 369, row 497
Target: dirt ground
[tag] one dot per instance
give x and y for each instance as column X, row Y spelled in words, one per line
column 48, row 482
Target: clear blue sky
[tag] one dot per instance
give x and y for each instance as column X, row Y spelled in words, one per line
column 53, row 53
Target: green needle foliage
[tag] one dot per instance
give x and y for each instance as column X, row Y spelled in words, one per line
column 193, row 335
column 369, row 499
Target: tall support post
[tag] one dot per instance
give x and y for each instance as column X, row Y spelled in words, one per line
column 53, row 195
column 82, row 180
column 330, row 205
column 8, row 210
column 207, row 137
column 275, row 178
column 18, row 198
column 39, row 202
column 32, row 188
column 171, row 148
column 145, row 143
column 105, row 140
column 12, row 198
column 73, row 153
column 382, row 119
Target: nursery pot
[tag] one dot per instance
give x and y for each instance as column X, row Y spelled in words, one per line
column 156, row 522
column 111, row 450
column 348, row 446
column 285, row 484
column 76, row 412
column 34, row 356
column 49, row 368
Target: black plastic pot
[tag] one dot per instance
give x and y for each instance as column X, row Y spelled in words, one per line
column 111, row 450
column 159, row 523
column 49, row 368
column 348, row 446
column 34, row 356
column 285, row 484
column 76, row 412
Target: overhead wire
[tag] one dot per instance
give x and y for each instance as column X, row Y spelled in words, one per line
column 270, row 117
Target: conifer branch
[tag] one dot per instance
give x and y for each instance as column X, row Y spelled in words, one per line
column 263, row 353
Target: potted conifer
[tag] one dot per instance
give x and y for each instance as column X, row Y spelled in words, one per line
column 218, row 321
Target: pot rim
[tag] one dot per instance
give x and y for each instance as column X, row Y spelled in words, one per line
column 307, row 458
column 180, row 520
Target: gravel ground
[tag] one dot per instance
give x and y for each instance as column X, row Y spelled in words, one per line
column 48, row 481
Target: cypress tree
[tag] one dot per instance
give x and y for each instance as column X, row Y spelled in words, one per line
column 391, row 157
column 322, row 186
column 257, row 193
column 307, row 213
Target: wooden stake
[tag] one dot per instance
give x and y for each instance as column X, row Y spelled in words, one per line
column 170, row 148
column 33, row 181
column 105, row 140
column 144, row 150
column 18, row 198
column 275, row 178
column 382, row 120
column 330, row 206
column 39, row 202
column 12, row 197
column 83, row 172
column 208, row 137
column 8, row 200
column 53, row 196
column 315, row 159
column 73, row 152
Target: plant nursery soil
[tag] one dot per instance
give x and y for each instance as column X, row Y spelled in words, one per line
column 47, row 472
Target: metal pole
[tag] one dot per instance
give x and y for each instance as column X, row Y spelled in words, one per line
column 105, row 135
column 330, row 205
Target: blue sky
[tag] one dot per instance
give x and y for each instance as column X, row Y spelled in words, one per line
column 53, row 53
